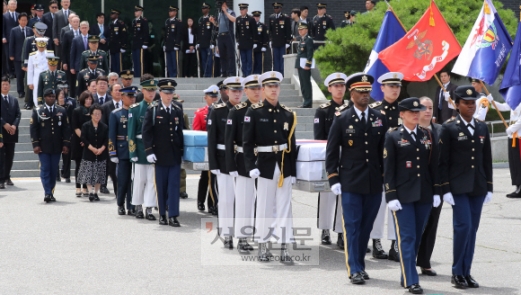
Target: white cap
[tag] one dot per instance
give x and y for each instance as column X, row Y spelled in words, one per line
column 335, row 78
column 213, row 90
column 251, row 80
column 41, row 39
column 270, row 78
column 233, row 83
column 391, row 78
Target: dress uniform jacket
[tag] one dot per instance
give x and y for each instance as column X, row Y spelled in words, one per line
column 50, row 131
column 85, row 76
column 324, row 119
column 96, row 137
column 268, row 125
column 261, row 37
column 320, row 26
column 118, row 134
column 140, row 34
column 411, row 166
column 359, row 168
column 118, row 36
column 158, row 127
column 173, row 34
column 205, row 31
column 465, row 159
column 305, row 50
column 136, row 117
column 216, row 127
column 245, row 29
column 280, row 29
column 30, row 47
column 48, row 80
column 390, row 112
column 80, row 116
column 103, row 60
column 233, row 137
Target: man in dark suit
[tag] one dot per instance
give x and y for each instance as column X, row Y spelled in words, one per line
column 102, row 96
column 66, row 45
column 48, row 19
column 61, row 19
column 38, row 8
column 16, row 41
column 9, row 21
column 79, row 44
column 10, row 111
column 442, row 108
column 102, row 30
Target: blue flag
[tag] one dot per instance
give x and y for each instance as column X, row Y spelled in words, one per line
column 511, row 85
column 390, row 32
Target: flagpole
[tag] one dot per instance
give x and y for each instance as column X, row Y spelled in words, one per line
column 494, row 104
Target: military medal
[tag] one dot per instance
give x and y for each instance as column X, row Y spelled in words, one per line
column 286, row 126
column 408, row 164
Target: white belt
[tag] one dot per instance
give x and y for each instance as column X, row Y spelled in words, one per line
column 239, row 149
column 271, row 148
column 139, row 136
column 221, row 147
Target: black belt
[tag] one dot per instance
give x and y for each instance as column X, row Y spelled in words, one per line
column 225, row 33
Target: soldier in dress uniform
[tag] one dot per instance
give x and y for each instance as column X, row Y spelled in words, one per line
column 305, row 50
column 206, row 41
column 172, row 43
column 50, row 137
column 245, row 35
column 103, row 60
column 391, row 84
column 37, row 64
column 143, row 189
column 118, row 41
column 356, row 171
column 51, row 78
column 280, row 36
column 127, row 77
column 270, row 155
column 329, row 213
column 164, row 120
column 483, row 102
column 140, row 39
column 217, row 157
column 90, row 73
column 244, row 184
column 119, row 149
column 321, row 23
column 261, row 39
column 412, row 185
column 466, row 180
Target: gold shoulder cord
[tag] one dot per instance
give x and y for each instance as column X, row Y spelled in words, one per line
column 288, row 149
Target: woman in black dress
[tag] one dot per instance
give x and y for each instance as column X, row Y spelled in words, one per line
column 190, row 40
column 95, row 137
column 79, row 116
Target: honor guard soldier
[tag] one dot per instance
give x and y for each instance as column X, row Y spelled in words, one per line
column 391, row 84
column 143, row 189
column 280, row 36
column 50, row 137
column 270, row 155
column 305, row 51
column 206, row 41
column 244, row 184
column 37, row 64
column 103, row 60
column 245, row 35
column 51, row 78
column 411, row 185
column 163, row 121
column 217, row 157
column 140, row 39
column 118, row 41
column 119, row 149
column 321, row 23
column 329, row 213
column 466, row 180
column 354, row 166
column 261, row 39
column 173, row 37
column 90, row 73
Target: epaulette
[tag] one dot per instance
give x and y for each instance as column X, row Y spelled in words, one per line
column 257, row 105
column 479, row 120
column 50, row 51
column 329, row 16
column 117, row 110
column 33, row 53
column 60, row 71
column 375, row 104
column 219, row 105
column 134, row 105
column 325, row 105
column 391, row 129
column 286, row 108
column 342, row 107
column 285, row 15
column 101, row 51
column 153, row 104
column 241, row 105
column 450, row 120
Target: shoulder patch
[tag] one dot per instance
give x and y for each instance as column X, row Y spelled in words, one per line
column 325, row 105
column 117, row 110
column 134, row 105
column 392, row 129
column 257, row 105
column 342, row 108
column 219, row 105
column 375, row 104
column 241, row 106
column 33, row 53
column 286, row 108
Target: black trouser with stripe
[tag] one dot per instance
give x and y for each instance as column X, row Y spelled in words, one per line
column 207, row 180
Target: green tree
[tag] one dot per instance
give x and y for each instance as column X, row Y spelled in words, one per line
column 349, row 47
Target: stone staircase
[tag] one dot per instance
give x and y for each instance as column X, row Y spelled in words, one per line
column 189, row 89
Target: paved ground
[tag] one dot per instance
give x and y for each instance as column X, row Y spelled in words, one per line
column 77, row 247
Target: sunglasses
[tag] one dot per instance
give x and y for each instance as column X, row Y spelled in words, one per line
column 54, row 7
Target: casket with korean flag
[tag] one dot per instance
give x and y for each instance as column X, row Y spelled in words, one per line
column 195, row 155
column 311, row 171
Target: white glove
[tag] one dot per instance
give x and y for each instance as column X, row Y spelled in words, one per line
column 212, row 46
column 164, row 48
column 176, row 48
column 197, row 46
column 449, row 198
column 287, row 46
column 510, row 130
column 237, row 45
column 254, row 46
column 336, row 189
column 151, row 158
column 144, row 47
column 263, row 49
column 451, row 106
column 255, row 173
column 216, row 172
column 234, row 173
column 394, row 205
column 490, row 98
column 293, row 179
column 436, row 201
column 488, row 198
column 122, row 50
column 270, row 44
column 114, row 160
column 446, row 95
column 134, row 159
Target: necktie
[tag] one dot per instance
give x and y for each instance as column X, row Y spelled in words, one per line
column 6, row 99
column 66, row 14
column 101, row 31
column 117, row 105
column 470, row 128
column 12, row 14
column 101, row 100
column 363, row 118
column 25, row 33
column 85, row 42
column 168, row 110
column 413, row 135
column 75, row 33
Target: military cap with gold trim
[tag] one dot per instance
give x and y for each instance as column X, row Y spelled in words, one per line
column 115, row 11
column 243, row 5
column 465, row 92
column 93, row 39
column 474, row 80
column 302, row 26
column 128, row 91
column 277, row 4
column 411, row 104
column 172, row 8
column 127, row 74
column 212, row 91
column 41, row 41
column 251, row 81
column 149, row 84
column 256, row 13
column 335, row 78
column 53, row 60
column 206, row 6
column 138, row 8
column 360, row 82
column 40, row 28
column 321, row 5
column 48, row 91
column 221, row 85
column 270, row 78
column 234, row 83
column 93, row 58
column 391, row 78
column 167, row 85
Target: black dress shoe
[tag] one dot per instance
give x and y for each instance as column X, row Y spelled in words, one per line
column 357, row 279
column 47, row 198
column 365, row 275
column 78, row 195
column 121, row 210
column 91, row 197
column 67, row 180
column 215, row 212
column 2, row 185
column 200, row 207
column 228, row 242
column 96, row 198
column 162, row 220
column 242, row 247
column 140, row 215
column 326, row 237
column 393, row 253
column 150, row 216
column 378, row 250
column 340, row 241
column 428, row 272
column 52, row 198
column 459, row 282
column 104, row 190
column 415, row 289
column 131, row 212
column 183, row 195
column 471, row 282
column 9, row 182
column 172, row 221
